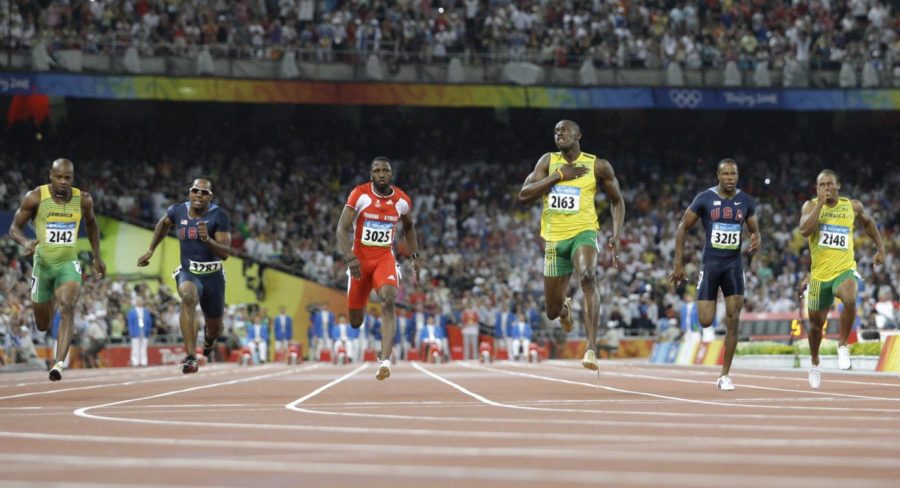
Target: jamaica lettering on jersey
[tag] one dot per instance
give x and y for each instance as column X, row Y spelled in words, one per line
column 56, row 227
column 568, row 209
column 722, row 219
column 196, row 257
column 376, row 219
column 831, row 244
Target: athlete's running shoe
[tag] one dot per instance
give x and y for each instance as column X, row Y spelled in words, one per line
column 566, row 322
column 815, row 377
column 725, row 383
column 589, row 360
column 189, row 366
column 384, row 371
column 56, row 372
column 844, row 357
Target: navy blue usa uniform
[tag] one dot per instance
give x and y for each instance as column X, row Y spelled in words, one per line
column 722, row 219
column 198, row 263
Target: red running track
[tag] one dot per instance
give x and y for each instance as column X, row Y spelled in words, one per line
column 458, row 424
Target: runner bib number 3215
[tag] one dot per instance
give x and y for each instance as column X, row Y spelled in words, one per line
column 725, row 236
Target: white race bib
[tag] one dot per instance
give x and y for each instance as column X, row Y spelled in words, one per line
column 564, row 199
column 834, row 237
column 197, row 267
column 378, row 234
column 725, row 236
column 60, row 234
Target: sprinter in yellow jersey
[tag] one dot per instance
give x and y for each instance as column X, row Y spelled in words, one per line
column 57, row 209
column 567, row 182
column 828, row 222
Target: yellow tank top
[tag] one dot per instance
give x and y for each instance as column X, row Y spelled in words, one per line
column 831, row 244
column 569, row 207
column 56, row 227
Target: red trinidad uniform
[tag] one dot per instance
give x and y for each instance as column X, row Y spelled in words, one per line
column 376, row 219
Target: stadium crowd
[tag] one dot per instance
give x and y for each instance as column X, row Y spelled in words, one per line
column 284, row 190
column 614, row 33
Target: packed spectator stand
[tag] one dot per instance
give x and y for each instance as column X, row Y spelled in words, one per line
column 648, row 34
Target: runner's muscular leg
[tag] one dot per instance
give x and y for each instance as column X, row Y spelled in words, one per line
column 586, row 270
column 43, row 314
column 846, row 292
column 555, row 288
column 67, row 297
column 187, row 320
column 388, row 296
column 733, row 306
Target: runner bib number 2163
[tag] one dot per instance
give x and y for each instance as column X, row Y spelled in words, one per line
column 564, row 199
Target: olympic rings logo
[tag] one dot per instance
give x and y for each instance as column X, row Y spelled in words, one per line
column 686, row 98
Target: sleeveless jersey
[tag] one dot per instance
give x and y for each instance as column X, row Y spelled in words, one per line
column 569, row 207
column 831, row 244
column 56, row 227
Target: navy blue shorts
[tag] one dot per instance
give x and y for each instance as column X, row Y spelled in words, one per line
column 729, row 276
column 210, row 289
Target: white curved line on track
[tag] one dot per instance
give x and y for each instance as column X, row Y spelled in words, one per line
column 492, row 435
column 170, row 375
column 82, row 412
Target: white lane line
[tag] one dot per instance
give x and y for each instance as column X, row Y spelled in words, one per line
column 94, row 484
column 492, row 435
column 170, row 376
column 433, row 472
column 685, row 400
column 744, row 385
column 82, row 412
column 697, row 370
column 858, row 430
column 88, row 375
column 293, row 405
column 554, row 452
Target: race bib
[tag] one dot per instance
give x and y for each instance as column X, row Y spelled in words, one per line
column 834, row 237
column 378, row 234
column 725, row 236
column 197, row 267
column 60, row 234
column 564, row 199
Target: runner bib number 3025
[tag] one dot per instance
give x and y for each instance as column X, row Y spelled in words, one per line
column 378, row 234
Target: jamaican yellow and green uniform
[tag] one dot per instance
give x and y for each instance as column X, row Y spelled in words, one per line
column 569, row 219
column 55, row 259
column 831, row 249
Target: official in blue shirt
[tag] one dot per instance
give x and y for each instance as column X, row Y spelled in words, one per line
column 284, row 329
column 140, row 326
